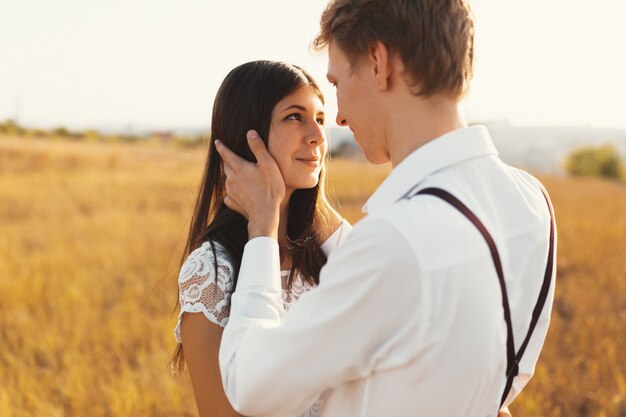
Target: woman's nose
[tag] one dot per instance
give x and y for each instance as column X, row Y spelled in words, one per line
column 316, row 135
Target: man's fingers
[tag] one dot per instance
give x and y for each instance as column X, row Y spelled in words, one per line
column 258, row 148
column 227, row 155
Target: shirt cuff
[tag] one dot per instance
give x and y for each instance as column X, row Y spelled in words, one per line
column 260, row 265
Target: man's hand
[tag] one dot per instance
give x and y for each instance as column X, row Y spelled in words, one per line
column 254, row 190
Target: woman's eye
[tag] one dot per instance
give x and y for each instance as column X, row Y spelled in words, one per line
column 294, row 116
column 320, row 121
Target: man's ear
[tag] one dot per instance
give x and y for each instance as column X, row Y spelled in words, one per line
column 383, row 65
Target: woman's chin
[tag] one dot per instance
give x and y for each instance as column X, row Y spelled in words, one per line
column 305, row 184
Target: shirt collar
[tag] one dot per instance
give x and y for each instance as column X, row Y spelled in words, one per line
column 449, row 149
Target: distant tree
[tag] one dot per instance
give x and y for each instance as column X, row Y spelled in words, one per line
column 91, row 135
column 38, row 133
column 10, row 127
column 128, row 138
column 602, row 162
column 346, row 149
column 61, row 131
column 77, row 135
column 190, row 142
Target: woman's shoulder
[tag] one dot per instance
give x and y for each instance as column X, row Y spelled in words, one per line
column 201, row 262
column 205, row 284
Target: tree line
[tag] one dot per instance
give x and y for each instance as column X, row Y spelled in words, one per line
column 603, row 162
column 11, row 128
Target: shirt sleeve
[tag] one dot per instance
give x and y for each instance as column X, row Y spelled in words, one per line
column 200, row 290
column 262, row 346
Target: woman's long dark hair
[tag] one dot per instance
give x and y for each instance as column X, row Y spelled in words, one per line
column 245, row 101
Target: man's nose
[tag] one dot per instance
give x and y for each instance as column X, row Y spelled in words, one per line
column 341, row 121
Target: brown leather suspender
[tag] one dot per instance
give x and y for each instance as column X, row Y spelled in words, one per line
column 513, row 359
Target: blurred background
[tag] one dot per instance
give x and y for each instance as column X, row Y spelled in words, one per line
column 104, row 110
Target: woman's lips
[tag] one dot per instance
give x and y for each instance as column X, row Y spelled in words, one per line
column 310, row 162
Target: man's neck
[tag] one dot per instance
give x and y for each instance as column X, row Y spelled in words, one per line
column 417, row 121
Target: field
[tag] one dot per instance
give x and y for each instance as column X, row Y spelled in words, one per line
column 90, row 241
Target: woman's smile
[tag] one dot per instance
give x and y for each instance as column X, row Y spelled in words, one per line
column 313, row 162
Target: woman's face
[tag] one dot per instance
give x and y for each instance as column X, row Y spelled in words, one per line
column 297, row 140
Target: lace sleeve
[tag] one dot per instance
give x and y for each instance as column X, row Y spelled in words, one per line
column 200, row 291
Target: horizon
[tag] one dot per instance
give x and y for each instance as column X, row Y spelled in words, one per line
column 148, row 129
column 157, row 64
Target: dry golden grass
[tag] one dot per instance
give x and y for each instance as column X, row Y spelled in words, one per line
column 90, row 239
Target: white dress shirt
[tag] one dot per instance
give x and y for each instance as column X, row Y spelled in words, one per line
column 202, row 291
column 408, row 318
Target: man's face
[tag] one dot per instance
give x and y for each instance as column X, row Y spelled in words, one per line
column 357, row 102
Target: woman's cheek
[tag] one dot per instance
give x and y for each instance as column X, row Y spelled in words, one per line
column 274, row 151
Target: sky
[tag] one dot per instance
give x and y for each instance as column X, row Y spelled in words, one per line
column 143, row 64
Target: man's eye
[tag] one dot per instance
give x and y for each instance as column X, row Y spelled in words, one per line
column 294, row 116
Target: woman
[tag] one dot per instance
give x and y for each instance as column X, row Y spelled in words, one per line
column 284, row 104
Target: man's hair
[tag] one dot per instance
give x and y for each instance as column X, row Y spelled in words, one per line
column 434, row 38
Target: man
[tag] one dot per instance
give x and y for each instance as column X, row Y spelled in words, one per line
column 420, row 312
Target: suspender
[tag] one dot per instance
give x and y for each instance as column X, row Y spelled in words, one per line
column 513, row 359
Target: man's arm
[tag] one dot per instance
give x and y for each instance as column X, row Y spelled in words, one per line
column 278, row 366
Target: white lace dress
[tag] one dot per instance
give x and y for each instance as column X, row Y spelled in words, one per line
column 200, row 291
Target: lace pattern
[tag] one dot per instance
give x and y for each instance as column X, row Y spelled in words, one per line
column 316, row 408
column 200, row 291
column 298, row 287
